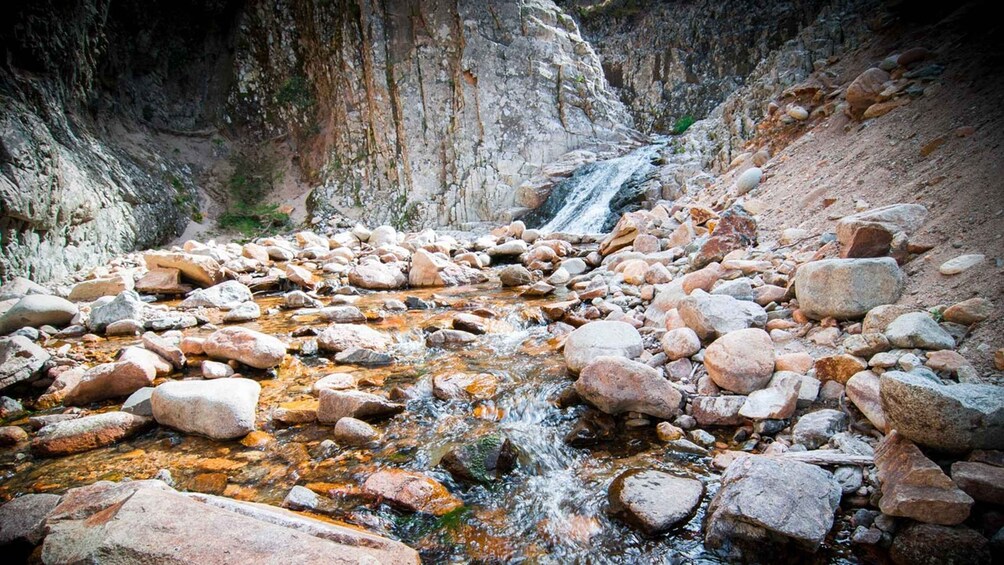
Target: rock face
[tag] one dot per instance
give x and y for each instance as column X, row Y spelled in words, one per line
column 741, row 361
column 616, row 385
column 955, row 418
column 603, row 338
column 36, row 310
column 20, row 360
column 219, row 408
column 653, row 500
column 764, row 500
column 252, row 348
column 153, row 523
column 412, row 491
column 87, row 433
column 847, row 288
column 914, row 487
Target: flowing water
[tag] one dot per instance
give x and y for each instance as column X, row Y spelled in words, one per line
column 582, row 204
column 551, row 509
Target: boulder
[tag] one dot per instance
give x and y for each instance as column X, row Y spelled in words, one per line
column 914, row 487
column 960, row 264
column 983, row 482
column 353, row 432
column 652, row 500
column 777, row 401
column 244, row 312
column 153, row 523
column 86, row 433
column 301, row 276
column 601, row 338
column 816, row 428
column 93, row 289
column 161, row 281
column 866, row 89
column 969, row 312
column 616, row 385
column 225, row 296
column 110, row 380
column 711, row 316
column 748, row 180
column 718, row 410
column 20, row 360
column 918, row 330
column 464, row 386
column 218, row 409
column 202, row 270
column 340, row 337
column 126, row 306
column 412, row 491
column 337, row 404
column 680, row 343
column 741, row 361
column 383, row 235
column 19, row 287
column 515, row 275
column 736, row 229
column 771, row 501
column 22, row 523
column 953, row 418
column 862, row 389
column 165, row 349
column 299, row 299
column 931, row 544
column 483, row 460
column 249, row 347
column 870, row 233
column 847, row 288
column 839, row 368
column 509, row 249
column 377, row 276
column 36, row 310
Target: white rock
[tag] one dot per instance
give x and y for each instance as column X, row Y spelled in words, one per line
column 219, row 409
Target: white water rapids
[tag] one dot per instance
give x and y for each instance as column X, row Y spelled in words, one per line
column 590, row 191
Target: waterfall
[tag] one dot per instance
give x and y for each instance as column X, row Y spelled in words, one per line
column 582, row 203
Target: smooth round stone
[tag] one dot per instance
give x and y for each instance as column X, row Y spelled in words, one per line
column 960, row 264
column 652, row 500
column 748, row 180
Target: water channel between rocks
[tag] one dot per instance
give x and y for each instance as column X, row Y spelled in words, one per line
column 552, row 509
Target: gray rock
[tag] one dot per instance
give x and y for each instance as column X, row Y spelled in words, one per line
column 20, row 360
column 225, row 296
column 616, row 385
column 763, row 500
column 816, row 428
column 711, row 316
column 85, row 433
column 218, row 409
column 954, row 418
column 748, row 180
column 139, row 402
column 515, row 275
column 653, row 500
column 350, row 431
column 740, row 289
column 22, row 520
column 450, row 338
column 112, row 380
column 718, row 410
column 602, row 338
column 483, row 460
column 254, row 349
column 343, row 314
column 301, row 498
column 299, row 299
column 340, row 337
column 125, row 306
column 366, row 357
column 156, row 524
column 244, row 312
column 165, row 349
column 918, row 330
column 847, row 288
column 19, row 287
column 35, row 310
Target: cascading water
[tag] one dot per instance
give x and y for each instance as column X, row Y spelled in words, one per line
column 582, row 203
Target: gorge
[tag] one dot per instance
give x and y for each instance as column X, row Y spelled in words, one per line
column 544, row 281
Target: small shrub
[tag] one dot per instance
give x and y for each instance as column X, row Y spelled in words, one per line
column 683, row 123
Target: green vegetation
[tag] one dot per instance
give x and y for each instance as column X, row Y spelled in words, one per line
column 682, row 124
column 295, row 92
column 255, row 173
column 184, row 198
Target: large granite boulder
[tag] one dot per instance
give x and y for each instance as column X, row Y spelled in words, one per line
column 149, row 522
column 602, row 338
column 847, row 288
column 953, row 418
column 218, row 408
column 767, row 501
column 616, row 385
column 36, row 310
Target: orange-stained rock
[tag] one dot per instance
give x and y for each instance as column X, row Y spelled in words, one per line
column 838, row 368
column 412, row 491
column 87, row 433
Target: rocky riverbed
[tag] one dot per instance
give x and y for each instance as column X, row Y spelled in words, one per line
column 676, row 389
